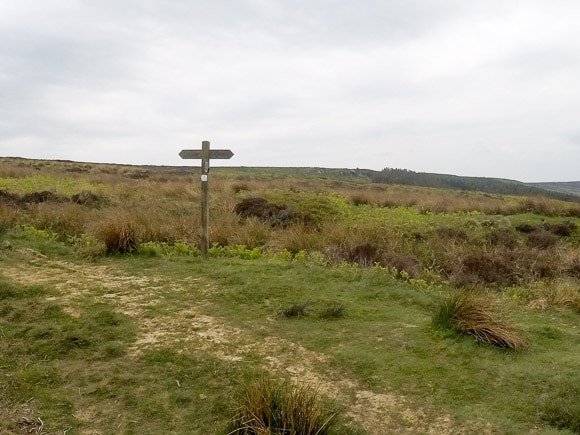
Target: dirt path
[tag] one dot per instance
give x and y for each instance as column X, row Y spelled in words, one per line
column 191, row 328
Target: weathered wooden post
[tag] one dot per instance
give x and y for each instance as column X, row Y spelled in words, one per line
column 205, row 155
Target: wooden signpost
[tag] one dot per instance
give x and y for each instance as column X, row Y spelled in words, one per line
column 205, row 154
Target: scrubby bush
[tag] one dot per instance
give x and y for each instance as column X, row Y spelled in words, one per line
column 503, row 236
column 542, row 239
column 275, row 214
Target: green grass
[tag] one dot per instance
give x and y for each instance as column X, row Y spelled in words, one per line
column 386, row 341
column 159, row 340
column 385, row 344
column 40, row 183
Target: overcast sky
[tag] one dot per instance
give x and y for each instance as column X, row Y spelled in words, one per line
column 467, row 87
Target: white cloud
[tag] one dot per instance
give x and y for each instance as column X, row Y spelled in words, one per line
column 472, row 88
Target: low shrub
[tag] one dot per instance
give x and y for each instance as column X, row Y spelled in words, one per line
column 274, row 214
column 564, row 229
column 483, row 267
column 542, row 239
column 469, row 314
column 503, row 236
column 266, row 407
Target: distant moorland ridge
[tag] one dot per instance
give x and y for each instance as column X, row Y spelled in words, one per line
column 565, row 191
column 570, row 187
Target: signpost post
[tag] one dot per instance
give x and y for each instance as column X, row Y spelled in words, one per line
column 205, row 154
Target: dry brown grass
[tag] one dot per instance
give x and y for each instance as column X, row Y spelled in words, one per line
column 471, row 314
column 8, row 217
column 317, row 216
column 562, row 295
column 267, row 407
column 117, row 231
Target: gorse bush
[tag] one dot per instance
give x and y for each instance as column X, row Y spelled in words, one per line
column 470, row 314
column 267, row 406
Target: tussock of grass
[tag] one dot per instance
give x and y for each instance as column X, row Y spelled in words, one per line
column 470, row 314
column 117, row 232
column 334, row 311
column 271, row 407
column 296, row 310
column 563, row 295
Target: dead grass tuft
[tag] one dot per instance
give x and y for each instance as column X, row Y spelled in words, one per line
column 296, row 310
column 471, row 314
column 117, row 232
column 272, row 407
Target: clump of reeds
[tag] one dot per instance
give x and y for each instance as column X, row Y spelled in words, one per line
column 333, row 311
column 296, row 310
column 267, row 406
column 117, row 231
column 471, row 314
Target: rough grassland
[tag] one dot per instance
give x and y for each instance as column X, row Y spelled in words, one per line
column 159, row 345
column 110, row 322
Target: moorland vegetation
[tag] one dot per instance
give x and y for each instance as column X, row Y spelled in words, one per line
column 463, row 256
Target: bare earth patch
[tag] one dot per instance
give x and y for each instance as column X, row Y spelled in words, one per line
column 190, row 329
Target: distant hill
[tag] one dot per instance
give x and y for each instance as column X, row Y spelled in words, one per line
column 481, row 184
column 564, row 191
column 570, row 188
column 411, row 178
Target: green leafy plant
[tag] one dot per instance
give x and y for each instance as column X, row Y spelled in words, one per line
column 238, row 251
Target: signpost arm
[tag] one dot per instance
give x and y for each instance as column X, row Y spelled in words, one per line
column 204, row 198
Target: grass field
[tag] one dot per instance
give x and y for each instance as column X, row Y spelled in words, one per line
column 110, row 322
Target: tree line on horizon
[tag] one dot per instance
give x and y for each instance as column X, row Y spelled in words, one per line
column 455, row 182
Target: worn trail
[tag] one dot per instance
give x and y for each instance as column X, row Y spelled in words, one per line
column 191, row 328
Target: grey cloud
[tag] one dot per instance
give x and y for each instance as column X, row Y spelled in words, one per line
column 436, row 85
